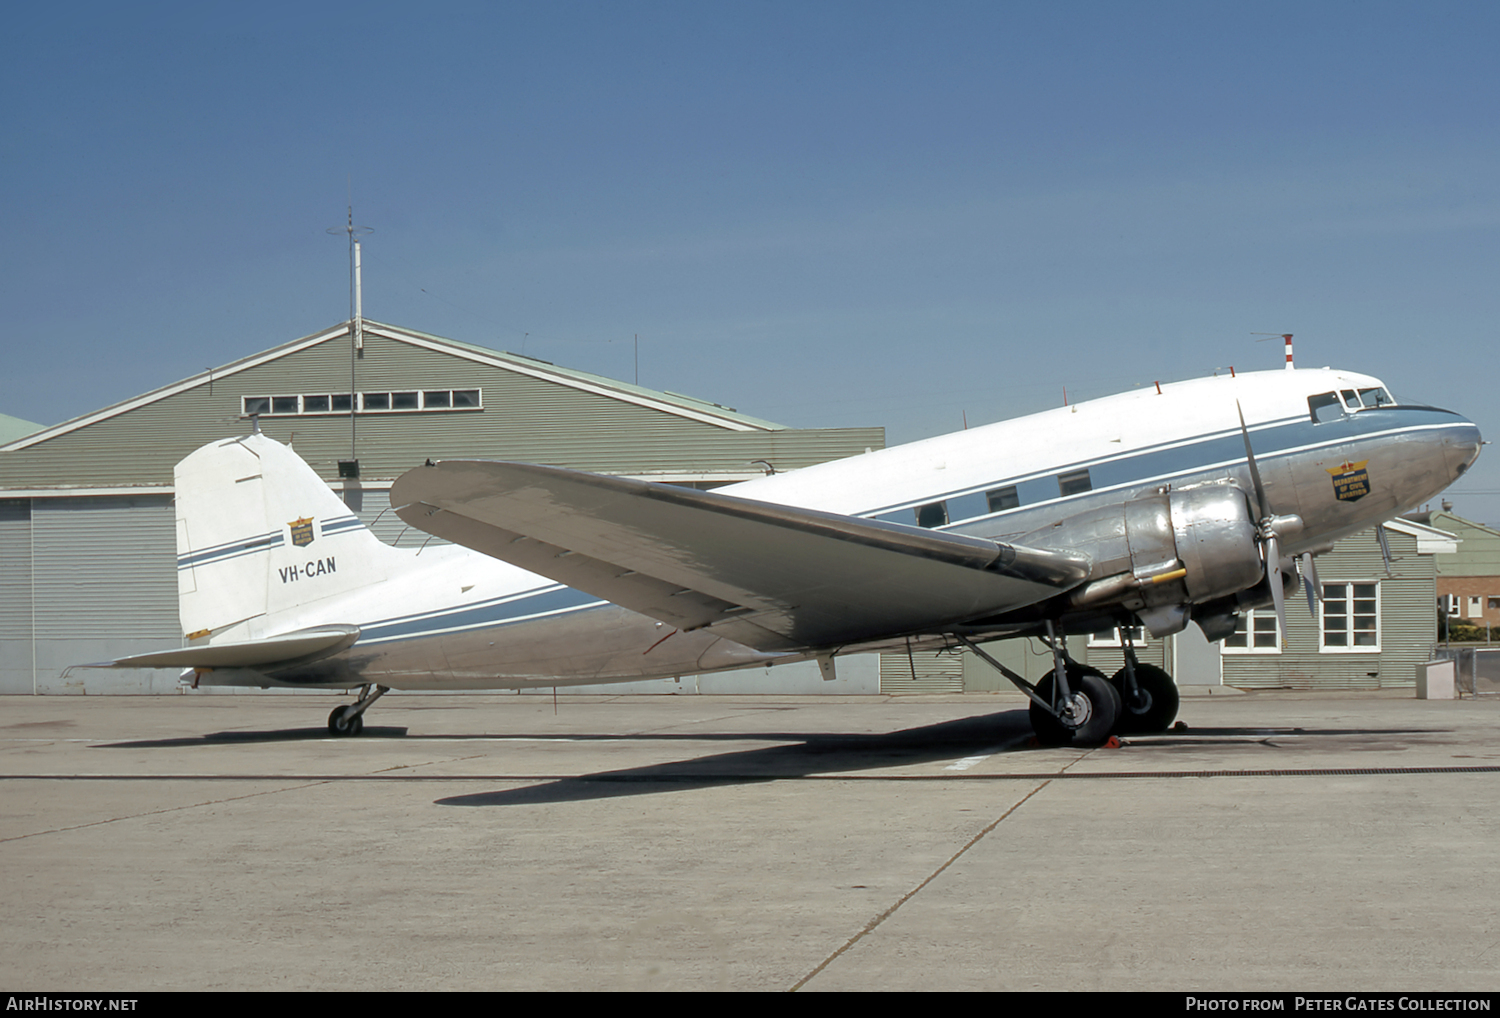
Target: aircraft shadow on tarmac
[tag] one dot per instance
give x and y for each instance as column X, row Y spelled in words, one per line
column 949, row 738
column 807, row 753
column 276, row 735
column 797, row 755
column 824, row 754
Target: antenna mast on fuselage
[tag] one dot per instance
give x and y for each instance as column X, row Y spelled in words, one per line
column 1286, row 337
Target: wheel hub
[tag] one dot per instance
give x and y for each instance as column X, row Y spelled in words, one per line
column 1077, row 711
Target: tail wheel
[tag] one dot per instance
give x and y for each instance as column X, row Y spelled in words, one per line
column 1088, row 717
column 338, row 724
column 1154, row 707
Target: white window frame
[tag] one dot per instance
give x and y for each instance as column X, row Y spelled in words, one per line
column 1324, row 647
column 1246, row 623
column 1114, row 639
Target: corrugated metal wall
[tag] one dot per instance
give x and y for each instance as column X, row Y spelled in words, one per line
column 15, row 596
column 85, row 579
column 936, row 672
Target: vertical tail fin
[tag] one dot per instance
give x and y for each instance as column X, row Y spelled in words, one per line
column 259, row 533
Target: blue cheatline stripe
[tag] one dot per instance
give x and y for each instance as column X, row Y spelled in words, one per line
column 341, row 524
column 1165, row 461
column 532, row 605
column 264, row 542
column 231, row 549
column 545, row 588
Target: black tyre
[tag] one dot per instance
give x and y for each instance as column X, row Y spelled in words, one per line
column 1095, row 710
column 1155, row 707
column 340, row 725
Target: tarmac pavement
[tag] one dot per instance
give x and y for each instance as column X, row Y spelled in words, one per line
column 1280, row 842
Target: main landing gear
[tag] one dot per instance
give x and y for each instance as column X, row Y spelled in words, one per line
column 350, row 719
column 1077, row 706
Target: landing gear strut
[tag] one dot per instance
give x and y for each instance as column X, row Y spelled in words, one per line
column 1074, row 706
column 350, row 720
column 1084, row 717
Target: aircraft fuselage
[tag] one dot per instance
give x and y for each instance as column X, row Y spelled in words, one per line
column 1079, row 478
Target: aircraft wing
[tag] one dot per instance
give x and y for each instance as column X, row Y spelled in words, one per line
column 771, row 577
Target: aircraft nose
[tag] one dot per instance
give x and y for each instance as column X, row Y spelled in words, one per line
column 1461, row 445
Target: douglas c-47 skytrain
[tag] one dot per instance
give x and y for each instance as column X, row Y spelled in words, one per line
column 1183, row 503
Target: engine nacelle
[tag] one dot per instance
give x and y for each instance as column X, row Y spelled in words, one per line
column 1159, row 554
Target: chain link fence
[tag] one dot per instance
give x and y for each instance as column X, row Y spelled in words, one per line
column 1477, row 667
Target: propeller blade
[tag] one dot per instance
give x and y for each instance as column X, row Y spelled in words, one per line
column 1273, row 577
column 1262, row 507
column 1385, row 548
column 1269, row 543
column 1307, row 565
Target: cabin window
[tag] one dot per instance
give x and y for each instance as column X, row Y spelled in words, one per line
column 1074, row 482
column 1002, row 499
column 934, row 514
column 1350, row 618
column 1255, row 632
column 1325, row 406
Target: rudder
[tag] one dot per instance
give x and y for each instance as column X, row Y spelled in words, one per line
column 260, row 534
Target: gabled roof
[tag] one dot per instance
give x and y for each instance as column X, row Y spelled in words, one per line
column 666, row 402
column 1450, row 518
column 12, row 428
column 1430, row 540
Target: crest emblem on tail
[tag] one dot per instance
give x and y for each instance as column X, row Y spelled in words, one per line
column 302, row 532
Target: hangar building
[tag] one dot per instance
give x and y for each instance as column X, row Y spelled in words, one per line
column 87, row 530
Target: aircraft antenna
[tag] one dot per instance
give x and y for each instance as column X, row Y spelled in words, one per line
column 1286, row 337
column 356, row 327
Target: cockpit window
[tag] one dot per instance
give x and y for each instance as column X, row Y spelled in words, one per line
column 1325, row 406
column 1328, row 406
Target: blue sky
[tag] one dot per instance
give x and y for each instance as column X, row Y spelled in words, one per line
column 825, row 214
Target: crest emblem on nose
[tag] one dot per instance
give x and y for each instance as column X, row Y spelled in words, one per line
column 1351, row 481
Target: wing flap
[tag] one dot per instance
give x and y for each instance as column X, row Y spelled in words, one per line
column 771, row 576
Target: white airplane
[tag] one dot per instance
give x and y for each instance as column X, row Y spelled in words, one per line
column 1184, row 502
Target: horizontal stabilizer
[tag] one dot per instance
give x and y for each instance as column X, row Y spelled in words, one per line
column 770, row 576
column 247, row 653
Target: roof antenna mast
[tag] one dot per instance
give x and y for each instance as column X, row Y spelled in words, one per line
column 356, row 318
